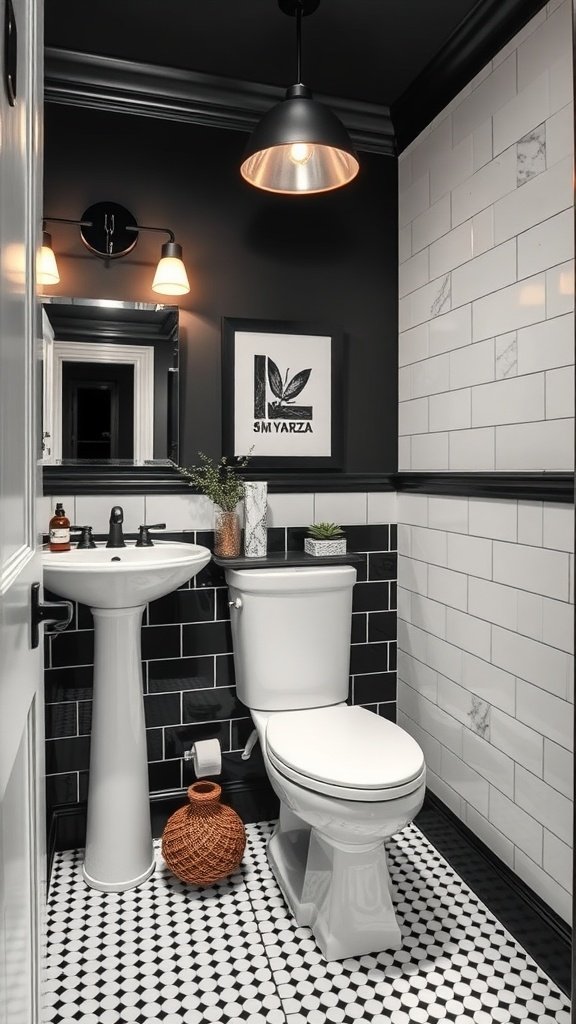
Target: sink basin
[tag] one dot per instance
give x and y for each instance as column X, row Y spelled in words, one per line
column 117, row 583
column 122, row 577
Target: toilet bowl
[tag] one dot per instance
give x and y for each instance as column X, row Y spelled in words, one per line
column 346, row 778
column 327, row 851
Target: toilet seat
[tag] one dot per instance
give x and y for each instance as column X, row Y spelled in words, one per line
column 345, row 752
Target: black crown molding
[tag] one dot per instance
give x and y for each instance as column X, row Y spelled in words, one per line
column 74, row 78
column 484, row 31
column 154, row 479
column 80, row 79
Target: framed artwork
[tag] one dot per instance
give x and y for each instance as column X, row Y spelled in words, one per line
column 282, row 394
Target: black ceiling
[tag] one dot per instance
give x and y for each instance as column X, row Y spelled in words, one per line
column 362, row 49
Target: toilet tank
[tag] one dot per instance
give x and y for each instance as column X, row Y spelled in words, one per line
column 291, row 635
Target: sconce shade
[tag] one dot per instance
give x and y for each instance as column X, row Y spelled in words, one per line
column 46, row 266
column 171, row 277
column 299, row 147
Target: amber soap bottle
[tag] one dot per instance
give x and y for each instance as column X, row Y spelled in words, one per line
column 59, row 529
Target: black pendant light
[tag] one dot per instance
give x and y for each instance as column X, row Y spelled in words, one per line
column 299, row 147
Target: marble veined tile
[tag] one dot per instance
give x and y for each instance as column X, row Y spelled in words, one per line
column 479, row 717
column 531, row 154
column 442, row 301
column 507, row 355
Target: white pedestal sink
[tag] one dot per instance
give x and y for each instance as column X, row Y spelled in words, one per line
column 117, row 583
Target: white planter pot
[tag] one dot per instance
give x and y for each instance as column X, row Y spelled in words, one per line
column 325, row 547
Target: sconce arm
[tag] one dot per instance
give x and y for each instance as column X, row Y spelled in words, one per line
column 147, row 227
column 89, row 224
column 66, row 220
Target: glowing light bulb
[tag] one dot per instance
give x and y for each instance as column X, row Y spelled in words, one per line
column 300, row 153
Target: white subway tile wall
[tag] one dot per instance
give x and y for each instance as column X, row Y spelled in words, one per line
column 485, row 587
column 94, row 510
column 182, row 512
column 485, row 682
column 486, row 277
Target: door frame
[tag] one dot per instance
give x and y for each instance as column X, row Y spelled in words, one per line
column 141, row 357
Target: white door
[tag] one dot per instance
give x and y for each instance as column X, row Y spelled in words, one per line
column 22, row 828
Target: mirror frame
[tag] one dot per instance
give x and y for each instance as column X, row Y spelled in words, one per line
column 93, row 477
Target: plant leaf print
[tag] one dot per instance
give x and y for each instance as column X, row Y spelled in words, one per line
column 297, row 384
column 275, row 379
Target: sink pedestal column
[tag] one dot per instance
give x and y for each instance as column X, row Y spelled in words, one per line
column 119, row 853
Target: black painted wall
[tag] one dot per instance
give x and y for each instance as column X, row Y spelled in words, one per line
column 188, row 673
column 328, row 258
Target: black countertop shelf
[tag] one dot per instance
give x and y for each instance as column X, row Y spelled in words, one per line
column 287, row 560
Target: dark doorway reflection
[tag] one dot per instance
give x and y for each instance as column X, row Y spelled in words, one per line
column 97, row 411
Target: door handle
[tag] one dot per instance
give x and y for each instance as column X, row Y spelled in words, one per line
column 58, row 614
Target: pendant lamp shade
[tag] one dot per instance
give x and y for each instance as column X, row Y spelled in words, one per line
column 299, row 147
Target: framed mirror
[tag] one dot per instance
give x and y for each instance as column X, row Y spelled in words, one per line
column 110, row 386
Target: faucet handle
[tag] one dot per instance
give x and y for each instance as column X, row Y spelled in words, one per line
column 86, row 540
column 144, row 538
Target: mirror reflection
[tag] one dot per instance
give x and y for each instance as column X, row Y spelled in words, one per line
column 110, row 382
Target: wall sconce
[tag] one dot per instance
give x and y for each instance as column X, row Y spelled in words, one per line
column 300, row 146
column 110, row 231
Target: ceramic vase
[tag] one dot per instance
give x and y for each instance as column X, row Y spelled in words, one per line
column 255, row 509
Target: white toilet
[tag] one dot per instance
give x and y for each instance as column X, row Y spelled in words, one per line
column 345, row 777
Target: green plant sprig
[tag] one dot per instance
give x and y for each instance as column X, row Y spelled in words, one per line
column 325, row 531
column 218, row 481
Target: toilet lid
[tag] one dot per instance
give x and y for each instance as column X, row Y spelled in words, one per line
column 344, row 746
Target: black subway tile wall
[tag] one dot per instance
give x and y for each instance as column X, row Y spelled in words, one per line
column 188, row 667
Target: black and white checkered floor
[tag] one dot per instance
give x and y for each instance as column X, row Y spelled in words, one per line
column 171, row 953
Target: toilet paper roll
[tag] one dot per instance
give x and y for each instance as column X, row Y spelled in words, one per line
column 207, row 758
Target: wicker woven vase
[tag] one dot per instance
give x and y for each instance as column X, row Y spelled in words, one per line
column 204, row 840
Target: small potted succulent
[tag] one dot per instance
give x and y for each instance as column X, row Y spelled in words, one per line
column 325, row 539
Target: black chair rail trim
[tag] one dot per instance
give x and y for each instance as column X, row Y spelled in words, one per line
column 81, row 479
column 518, row 486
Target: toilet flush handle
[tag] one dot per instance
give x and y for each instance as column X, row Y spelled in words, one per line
column 236, row 603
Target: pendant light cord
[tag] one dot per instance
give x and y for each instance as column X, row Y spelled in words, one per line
column 299, row 42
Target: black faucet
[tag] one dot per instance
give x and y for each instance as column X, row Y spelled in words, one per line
column 115, row 535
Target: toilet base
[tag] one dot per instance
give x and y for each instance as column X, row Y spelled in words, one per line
column 341, row 892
